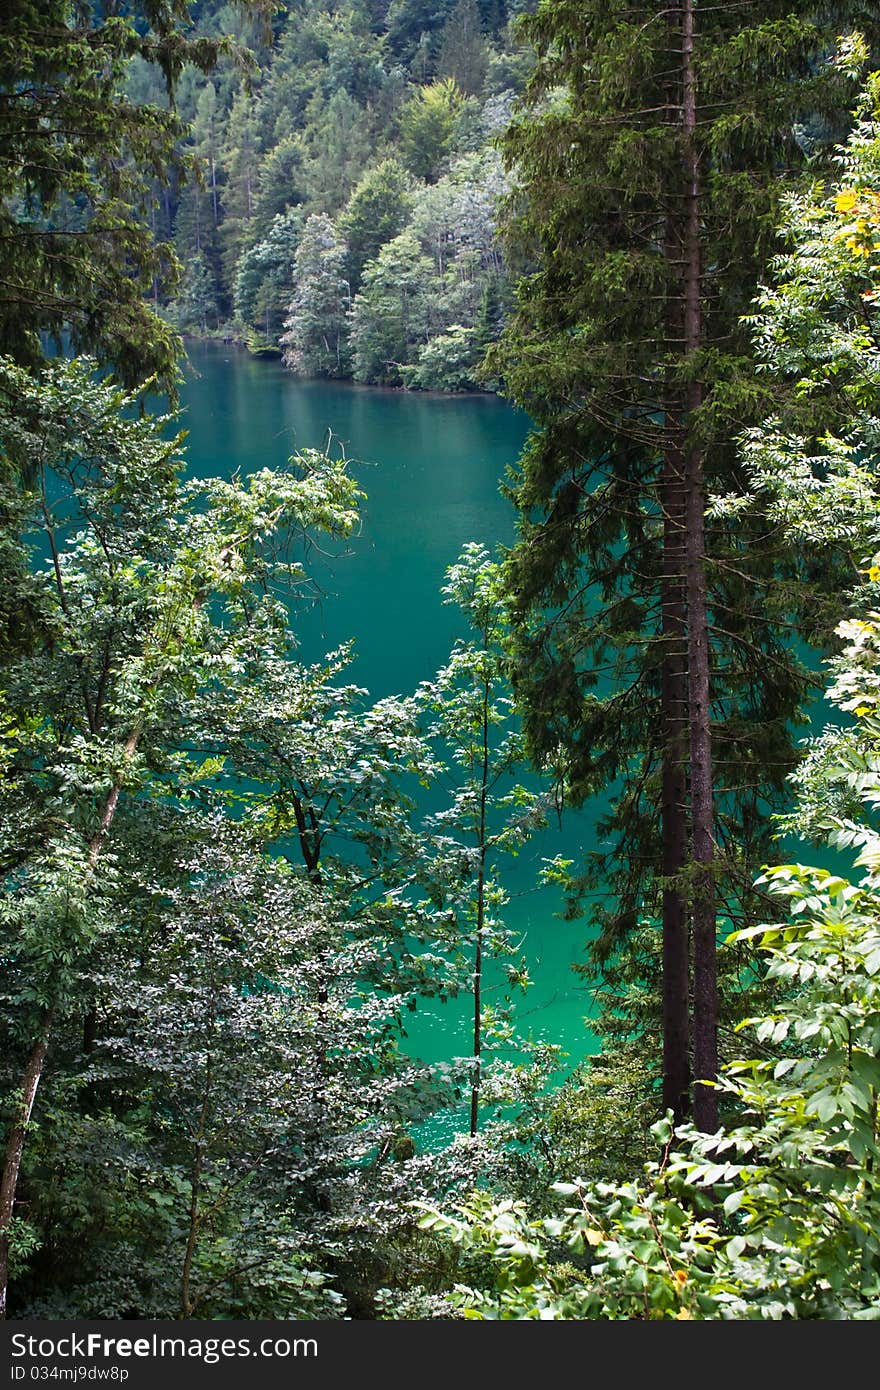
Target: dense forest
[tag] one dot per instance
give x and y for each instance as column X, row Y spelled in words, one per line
column 657, row 232
column 347, row 205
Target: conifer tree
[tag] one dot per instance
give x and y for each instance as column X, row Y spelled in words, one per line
column 339, row 147
column 205, row 140
column 653, row 147
column 463, row 54
column 240, row 162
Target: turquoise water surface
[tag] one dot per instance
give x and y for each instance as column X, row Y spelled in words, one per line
column 431, row 467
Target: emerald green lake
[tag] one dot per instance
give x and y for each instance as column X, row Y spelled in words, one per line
column 430, row 466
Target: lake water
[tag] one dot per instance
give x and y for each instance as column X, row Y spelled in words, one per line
column 431, row 466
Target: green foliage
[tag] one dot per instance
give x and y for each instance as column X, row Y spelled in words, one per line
column 447, row 362
column 264, row 279
column 76, row 185
column 338, row 147
column 197, row 303
column 280, row 183
column 595, row 1123
column 813, row 462
column 462, row 52
column 815, row 328
column 775, row 1219
column 413, row 24
column 431, row 300
column 220, row 897
column 490, row 816
column 205, row 844
column 427, row 128
column 238, row 160
column 333, row 126
column 391, row 313
column 376, row 212
column 316, row 327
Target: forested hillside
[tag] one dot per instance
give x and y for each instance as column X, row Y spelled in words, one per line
column 350, row 187
column 231, row 876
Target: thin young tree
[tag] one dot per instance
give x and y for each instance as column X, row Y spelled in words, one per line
column 489, row 815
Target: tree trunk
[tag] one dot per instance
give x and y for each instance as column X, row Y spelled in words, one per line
column 34, row 1068
column 674, row 712
column 481, row 917
column 309, row 836
column 478, row 1004
column 195, row 1219
column 705, row 990
column 675, row 1016
column 15, row 1147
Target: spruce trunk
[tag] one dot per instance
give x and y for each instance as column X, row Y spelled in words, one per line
column 676, row 951
column 705, row 992
column 675, row 1019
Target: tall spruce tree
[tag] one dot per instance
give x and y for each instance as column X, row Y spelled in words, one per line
column 653, row 147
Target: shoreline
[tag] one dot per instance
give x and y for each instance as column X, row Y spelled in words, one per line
column 239, row 345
